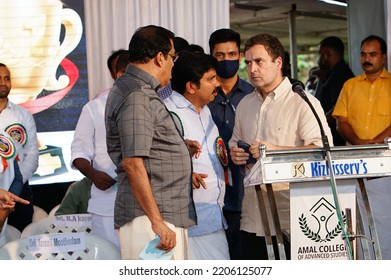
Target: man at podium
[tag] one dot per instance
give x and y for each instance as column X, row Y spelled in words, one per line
column 276, row 116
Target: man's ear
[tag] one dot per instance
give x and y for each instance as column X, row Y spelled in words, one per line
column 190, row 87
column 279, row 62
column 159, row 59
column 119, row 74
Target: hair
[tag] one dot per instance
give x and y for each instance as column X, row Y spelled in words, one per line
column 190, row 67
column 148, row 41
column 286, row 65
column 334, row 43
column 2, row 65
column 272, row 45
column 180, row 44
column 383, row 44
column 122, row 62
column 114, row 55
column 223, row 35
column 195, row 48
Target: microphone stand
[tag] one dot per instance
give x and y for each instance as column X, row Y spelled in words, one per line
column 327, row 156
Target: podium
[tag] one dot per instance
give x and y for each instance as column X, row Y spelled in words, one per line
column 308, row 168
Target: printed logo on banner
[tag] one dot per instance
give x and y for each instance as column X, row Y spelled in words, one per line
column 321, row 226
column 326, row 228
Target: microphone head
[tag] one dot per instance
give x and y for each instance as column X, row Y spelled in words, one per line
column 296, row 87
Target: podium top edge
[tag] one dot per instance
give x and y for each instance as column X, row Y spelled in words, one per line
column 320, row 150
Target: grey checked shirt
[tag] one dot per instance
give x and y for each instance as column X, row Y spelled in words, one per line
column 139, row 125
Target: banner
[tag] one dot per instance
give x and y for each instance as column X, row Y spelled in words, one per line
column 316, row 233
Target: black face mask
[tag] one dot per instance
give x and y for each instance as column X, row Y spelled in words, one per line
column 227, row 68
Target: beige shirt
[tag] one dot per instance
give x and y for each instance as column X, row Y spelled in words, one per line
column 283, row 119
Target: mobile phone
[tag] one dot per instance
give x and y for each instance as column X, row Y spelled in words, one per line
column 246, row 147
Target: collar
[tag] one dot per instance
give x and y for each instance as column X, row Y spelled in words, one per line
column 383, row 75
column 142, row 75
column 279, row 92
column 9, row 105
column 181, row 102
column 241, row 85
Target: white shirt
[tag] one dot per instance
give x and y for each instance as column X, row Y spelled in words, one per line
column 90, row 143
column 9, row 151
column 15, row 114
column 283, row 119
column 200, row 127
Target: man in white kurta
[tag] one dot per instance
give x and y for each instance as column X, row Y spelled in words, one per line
column 89, row 143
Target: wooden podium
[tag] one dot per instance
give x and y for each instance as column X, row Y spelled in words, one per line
column 310, row 165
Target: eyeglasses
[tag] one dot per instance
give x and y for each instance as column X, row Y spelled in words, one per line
column 174, row 57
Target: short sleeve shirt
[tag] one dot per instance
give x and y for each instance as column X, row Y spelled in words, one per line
column 366, row 105
column 139, row 125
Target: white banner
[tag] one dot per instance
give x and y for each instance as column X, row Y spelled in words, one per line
column 315, row 230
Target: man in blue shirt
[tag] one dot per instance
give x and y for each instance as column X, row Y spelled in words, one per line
column 194, row 85
column 224, row 45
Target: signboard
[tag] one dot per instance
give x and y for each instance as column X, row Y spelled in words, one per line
column 316, row 231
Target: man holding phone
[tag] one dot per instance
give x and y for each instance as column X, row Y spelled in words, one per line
column 282, row 120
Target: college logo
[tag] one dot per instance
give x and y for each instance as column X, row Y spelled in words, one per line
column 298, row 170
column 17, row 132
column 325, row 226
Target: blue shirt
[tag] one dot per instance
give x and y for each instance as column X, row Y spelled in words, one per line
column 200, row 127
column 223, row 112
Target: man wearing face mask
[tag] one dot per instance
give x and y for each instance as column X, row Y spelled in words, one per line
column 224, row 45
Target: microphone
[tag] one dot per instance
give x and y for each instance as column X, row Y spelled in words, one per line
column 297, row 88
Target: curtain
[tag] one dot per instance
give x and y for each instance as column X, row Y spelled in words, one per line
column 110, row 24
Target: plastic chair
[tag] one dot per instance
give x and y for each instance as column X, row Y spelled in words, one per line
column 53, row 211
column 39, row 213
column 12, row 233
column 97, row 248
column 47, row 225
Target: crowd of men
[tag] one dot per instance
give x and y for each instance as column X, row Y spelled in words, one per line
column 159, row 149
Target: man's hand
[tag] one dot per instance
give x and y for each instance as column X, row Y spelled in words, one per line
column 239, row 156
column 102, row 180
column 198, row 180
column 8, row 200
column 254, row 148
column 167, row 236
column 194, row 147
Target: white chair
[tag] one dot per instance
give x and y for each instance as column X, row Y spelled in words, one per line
column 39, row 213
column 96, row 248
column 12, row 233
column 53, row 211
column 47, row 225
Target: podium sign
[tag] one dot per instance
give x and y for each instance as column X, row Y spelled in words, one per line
column 302, row 165
column 314, row 224
column 316, row 231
